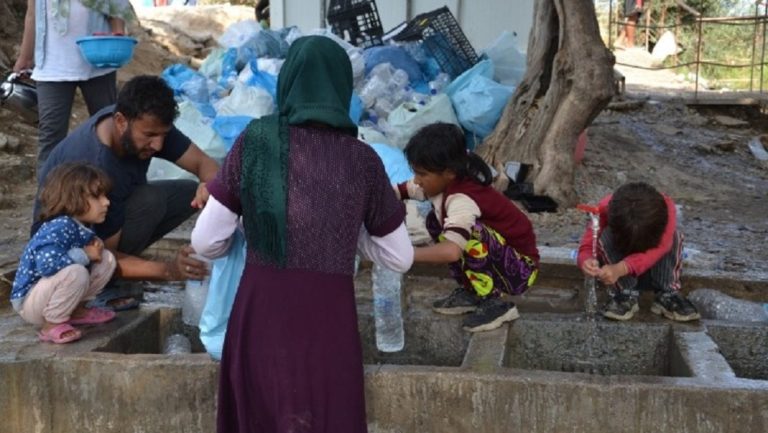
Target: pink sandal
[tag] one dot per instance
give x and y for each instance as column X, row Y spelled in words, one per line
column 93, row 316
column 55, row 334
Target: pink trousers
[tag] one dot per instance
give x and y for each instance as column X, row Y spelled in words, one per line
column 54, row 298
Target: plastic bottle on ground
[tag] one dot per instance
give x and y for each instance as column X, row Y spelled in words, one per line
column 177, row 344
column 439, row 83
column 387, row 309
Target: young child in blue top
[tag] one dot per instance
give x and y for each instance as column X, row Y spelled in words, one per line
column 65, row 264
column 487, row 241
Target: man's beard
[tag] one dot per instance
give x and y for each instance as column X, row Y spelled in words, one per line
column 127, row 143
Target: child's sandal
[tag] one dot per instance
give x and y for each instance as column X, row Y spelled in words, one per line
column 56, row 334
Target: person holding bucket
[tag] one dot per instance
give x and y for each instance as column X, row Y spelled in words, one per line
column 49, row 50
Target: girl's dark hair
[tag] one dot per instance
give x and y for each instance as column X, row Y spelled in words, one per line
column 637, row 217
column 439, row 147
column 147, row 95
column 67, row 188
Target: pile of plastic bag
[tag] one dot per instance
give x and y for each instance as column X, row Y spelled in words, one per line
column 399, row 88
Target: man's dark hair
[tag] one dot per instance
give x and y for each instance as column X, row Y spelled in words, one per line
column 439, row 147
column 637, row 217
column 147, row 95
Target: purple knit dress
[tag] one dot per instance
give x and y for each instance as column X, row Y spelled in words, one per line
column 292, row 359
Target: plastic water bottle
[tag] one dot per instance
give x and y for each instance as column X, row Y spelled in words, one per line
column 195, row 293
column 177, row 344
column 439, row 83
column 387, row 309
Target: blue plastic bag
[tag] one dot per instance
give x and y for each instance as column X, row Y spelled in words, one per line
column 395, row 163
column 225, row 279
column 262, row 79
column 355, row 108
column 478, row 100
column 396, row 56
column 230, row 127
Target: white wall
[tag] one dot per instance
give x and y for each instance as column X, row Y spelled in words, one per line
column 481, row 20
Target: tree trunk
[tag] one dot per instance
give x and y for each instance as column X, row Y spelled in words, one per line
column 569, row 80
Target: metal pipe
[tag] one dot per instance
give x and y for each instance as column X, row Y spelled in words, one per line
column 323, row 12
column 754, row 43
column 762, row 53
column 610, row 24
column 698, row 60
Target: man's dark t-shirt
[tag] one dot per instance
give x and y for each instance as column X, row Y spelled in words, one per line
column 126, row 173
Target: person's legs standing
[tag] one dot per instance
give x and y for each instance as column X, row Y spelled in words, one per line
column 54, row 106
column 153, row 210
column 98, row 92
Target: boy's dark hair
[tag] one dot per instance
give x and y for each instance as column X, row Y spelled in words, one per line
column 637, row 217
column 67, row 188
column 439, row 147
column 147, row 95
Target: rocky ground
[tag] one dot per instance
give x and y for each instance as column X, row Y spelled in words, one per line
column 699, row 156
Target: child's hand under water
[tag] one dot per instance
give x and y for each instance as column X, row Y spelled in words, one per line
column 590, row 267
column 609, row 274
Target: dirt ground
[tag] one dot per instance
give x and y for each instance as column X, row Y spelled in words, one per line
column 698, row 156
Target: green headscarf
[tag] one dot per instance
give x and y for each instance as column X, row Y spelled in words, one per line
column 314, row 85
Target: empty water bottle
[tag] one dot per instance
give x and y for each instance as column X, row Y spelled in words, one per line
column 387, row 310
column 177, row 344
column 439, row 83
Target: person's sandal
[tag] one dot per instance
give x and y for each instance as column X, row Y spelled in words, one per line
column 56, row 334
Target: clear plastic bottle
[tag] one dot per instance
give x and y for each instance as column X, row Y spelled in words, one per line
column 387, row 309
column 439, row 83
column 195, row 293
column 177, row 344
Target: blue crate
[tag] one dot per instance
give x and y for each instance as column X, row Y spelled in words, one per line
column 107, row 51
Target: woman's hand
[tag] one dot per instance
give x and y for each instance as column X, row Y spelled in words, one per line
column 201, row 196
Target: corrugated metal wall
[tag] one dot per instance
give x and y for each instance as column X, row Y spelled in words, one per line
column 482, row 20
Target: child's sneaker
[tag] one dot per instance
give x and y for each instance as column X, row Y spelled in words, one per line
column 490, row 314
column 459, row 302
column 674, row 306
column 621, row 307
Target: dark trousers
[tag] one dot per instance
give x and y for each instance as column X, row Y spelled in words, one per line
column 54, row 105
column 153, row 210
column 663, row 276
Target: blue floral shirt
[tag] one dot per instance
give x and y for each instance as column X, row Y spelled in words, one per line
column 57, row 244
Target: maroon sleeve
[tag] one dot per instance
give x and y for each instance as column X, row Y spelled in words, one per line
column 384, row 212
column 225, row 187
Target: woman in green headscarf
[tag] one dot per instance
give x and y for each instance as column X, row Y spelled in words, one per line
column 304, row 186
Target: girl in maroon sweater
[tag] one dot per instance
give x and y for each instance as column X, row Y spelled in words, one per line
column 487, row 241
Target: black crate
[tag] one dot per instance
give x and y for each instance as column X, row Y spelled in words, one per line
column 356, row 21
column 443, row 39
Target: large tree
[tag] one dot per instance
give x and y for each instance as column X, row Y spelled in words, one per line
column 569, row 80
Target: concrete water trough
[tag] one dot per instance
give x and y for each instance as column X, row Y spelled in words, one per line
column 550, row 371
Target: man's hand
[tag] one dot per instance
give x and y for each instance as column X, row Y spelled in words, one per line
column 23, row 64
column 186, row 267
column 201, row 196
column 94, row 249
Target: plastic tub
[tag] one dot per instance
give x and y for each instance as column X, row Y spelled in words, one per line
column 110, row 51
